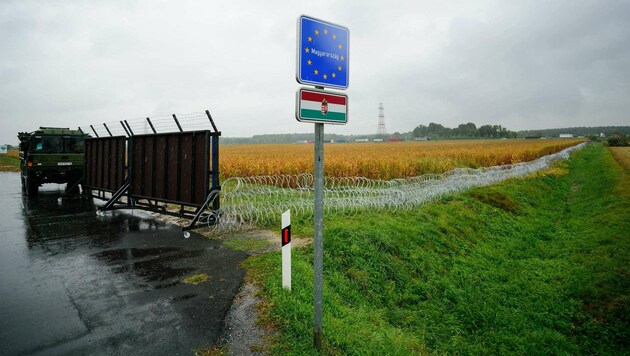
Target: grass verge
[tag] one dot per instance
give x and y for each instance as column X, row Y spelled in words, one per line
column 9, row 163
column 535, row 265
column 622, row 154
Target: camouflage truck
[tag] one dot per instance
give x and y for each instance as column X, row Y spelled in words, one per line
column 51, row 155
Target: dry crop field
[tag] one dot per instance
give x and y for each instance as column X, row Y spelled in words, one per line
column 383, row 160
column 622, row 154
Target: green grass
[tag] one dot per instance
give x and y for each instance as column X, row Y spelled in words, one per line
column 196, row 279
column 247, row 244
column 9, row 163
column 536, row 265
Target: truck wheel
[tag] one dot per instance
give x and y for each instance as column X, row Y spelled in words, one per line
column 32, row 187
column 72, row 187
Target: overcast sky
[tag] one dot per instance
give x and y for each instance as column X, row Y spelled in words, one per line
column 522, row 64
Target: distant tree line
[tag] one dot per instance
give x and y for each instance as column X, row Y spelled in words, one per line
column 277, row 138
column 437, row 131
column 469, row 130
column 579, row 131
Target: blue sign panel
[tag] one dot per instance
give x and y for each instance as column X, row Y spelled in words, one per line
column 322, row 53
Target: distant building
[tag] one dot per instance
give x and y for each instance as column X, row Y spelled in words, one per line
column 394, row 139
column 378, row 140
column 361, row 140
column 533, row 137
column 342, row 141
column 565, row 136
column 422, row 138
column 301, row 141
column 602, row 135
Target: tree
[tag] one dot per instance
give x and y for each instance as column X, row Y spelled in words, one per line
column 618, row 140
column 438, row 130
column 467, row 130
column 485, row 131
column 421, row 130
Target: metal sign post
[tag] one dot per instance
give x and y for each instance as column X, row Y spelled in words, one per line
column 318, row 261
column 322, row 61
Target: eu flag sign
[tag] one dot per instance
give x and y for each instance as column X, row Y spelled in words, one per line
column 322, row 53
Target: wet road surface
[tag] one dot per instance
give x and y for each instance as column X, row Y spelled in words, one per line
column 75, row 283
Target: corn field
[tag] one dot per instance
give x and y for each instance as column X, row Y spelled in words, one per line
column 256, row 200
column 383, row 160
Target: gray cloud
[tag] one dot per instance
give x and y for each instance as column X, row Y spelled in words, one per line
column 522, row 64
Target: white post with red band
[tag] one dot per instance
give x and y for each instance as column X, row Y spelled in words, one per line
column 286, row 250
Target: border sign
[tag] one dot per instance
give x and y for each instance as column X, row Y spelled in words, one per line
column 322, row 53
column 3, row 149
column 322, row 61
column 318, row 106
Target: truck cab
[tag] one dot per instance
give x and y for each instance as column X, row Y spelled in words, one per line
column 51, row 155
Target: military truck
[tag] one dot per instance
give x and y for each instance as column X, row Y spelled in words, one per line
column 51, row 155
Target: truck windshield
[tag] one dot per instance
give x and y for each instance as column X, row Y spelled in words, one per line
column 57, row 144
column 47, row 144
column 73, row 144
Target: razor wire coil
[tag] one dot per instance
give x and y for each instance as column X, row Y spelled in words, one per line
column 259, row 200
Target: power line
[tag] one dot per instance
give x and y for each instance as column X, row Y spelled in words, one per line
column 381, row 120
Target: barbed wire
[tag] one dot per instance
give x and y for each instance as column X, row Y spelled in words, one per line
column 161, row 123
column 260, row 200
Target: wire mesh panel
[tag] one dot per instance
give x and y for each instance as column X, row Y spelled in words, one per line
column 105, row 163
column 172, row 167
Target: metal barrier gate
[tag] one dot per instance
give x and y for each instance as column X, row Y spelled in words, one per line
column 156, row 171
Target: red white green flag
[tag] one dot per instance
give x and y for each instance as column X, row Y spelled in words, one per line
column 319, row 106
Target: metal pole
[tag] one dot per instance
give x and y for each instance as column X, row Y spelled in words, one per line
column 107, row 128
column 177, row 122
column 92, row 127
column 319, row 236
column 151, row 124
column 129, row 127
column 125, row 128
column 216, row 185
column 211, row 121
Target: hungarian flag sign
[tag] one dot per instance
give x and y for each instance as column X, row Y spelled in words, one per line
column 321, row 106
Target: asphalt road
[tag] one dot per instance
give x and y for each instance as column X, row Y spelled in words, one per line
column 75, row 283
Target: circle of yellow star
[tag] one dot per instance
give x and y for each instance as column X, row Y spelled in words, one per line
column 306, row 49
column 340, row 46
column 310, row 39
column 325, row 31
column 334, row 75
column 325, row 76
column 316, row 72
column 339, row 68
column 317, row 32
column 308, row 62
column 334, row 37
column 341, row 57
